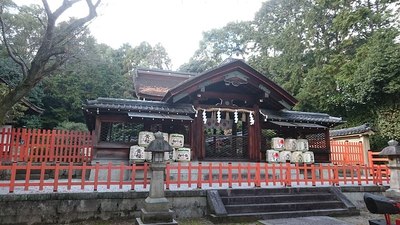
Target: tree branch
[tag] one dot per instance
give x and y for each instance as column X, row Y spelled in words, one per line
column 16, row 59
column 79, row 23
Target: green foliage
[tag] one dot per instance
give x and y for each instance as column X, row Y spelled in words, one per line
column 219, row 44
column 67, row 125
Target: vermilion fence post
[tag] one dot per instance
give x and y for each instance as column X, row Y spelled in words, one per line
column 248, row 174
column 121, row 174
column 210, row 176
column 199, row 174
column 179, row 175
column 70, row 171
column 109, row 175
column 288, row 182
column 56, row 174
column 189, row 168
column 52, row 145
column 240, row 180
column 145, row 168
column 42, row 173
column 313, row 175
column 96, row 176
column 220, row 174
column 230, row 175
column 13, row 176
column 257, row 181
column 133, row 176
column 27, row 175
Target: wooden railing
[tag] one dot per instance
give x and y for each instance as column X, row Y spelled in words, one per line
column 347, row 153
column 65, row 177
column 36, row 145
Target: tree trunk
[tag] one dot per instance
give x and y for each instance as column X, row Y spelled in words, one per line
column 13, row 97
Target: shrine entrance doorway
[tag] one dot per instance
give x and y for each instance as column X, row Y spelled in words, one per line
column 226, row 140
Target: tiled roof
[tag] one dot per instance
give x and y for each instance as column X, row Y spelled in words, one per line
column 351, row 130
column 298, row 116
column 153, row 84
column 138, row 105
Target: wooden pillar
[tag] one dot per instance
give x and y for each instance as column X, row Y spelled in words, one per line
column 257, row 130
column 96, row 136
column 328, row 145
column 254, row 136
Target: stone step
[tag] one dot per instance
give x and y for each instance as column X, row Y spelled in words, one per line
column 277, row 198
column 282, row 214
column 276, row 207
column 270, row 191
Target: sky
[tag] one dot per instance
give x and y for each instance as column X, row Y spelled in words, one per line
column 176, row 24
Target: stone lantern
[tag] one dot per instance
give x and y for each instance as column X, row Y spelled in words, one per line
column 393, row 153
column 156, row 210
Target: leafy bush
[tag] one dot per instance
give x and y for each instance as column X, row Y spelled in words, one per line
column 68, row 125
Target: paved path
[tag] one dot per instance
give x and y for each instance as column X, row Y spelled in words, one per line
column 312, row 220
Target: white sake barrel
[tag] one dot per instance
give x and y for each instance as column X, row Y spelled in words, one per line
column 176, row 140
column 145, row 138
column 169, row 156
column 182, row 154
column 290, row 144
column 285, row 156
column 297, row 157
column 272, row 156
column 308, row 157
column 136, row 153
column 302, row 145
column 278, row 143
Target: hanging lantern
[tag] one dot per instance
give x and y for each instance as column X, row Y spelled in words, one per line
column 235, row 116
column 227, row 116
column 243, row 117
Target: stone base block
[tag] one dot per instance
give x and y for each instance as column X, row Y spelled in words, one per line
column 157, row 216
column 140, row 222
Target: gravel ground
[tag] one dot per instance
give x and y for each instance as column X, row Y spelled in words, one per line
column 362, row 219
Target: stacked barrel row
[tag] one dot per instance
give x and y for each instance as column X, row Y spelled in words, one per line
column 289, row 150
column 137, row 152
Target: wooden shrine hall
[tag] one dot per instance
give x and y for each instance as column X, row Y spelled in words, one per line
column 229, row 113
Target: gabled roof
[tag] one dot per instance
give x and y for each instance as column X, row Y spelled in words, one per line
column 153, row 84
column 235, row 72
column 362, row 129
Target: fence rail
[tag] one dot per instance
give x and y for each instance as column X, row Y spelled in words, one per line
column 64, row 177
column 36, row 145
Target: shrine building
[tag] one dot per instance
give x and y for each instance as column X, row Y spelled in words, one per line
column 229, row 113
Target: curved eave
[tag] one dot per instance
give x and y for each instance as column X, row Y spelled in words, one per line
column 215, row 75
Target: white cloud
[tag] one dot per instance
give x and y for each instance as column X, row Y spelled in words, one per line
column 176, row 24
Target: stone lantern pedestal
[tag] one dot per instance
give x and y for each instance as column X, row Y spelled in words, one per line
column 393, row 153
column 156, row 207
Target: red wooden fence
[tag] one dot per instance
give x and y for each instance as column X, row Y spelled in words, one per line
column 347, row 153
column 184, row 176
column 36, row 145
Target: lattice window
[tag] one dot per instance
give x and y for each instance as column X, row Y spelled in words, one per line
column 120, row 132
column 317, row 141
